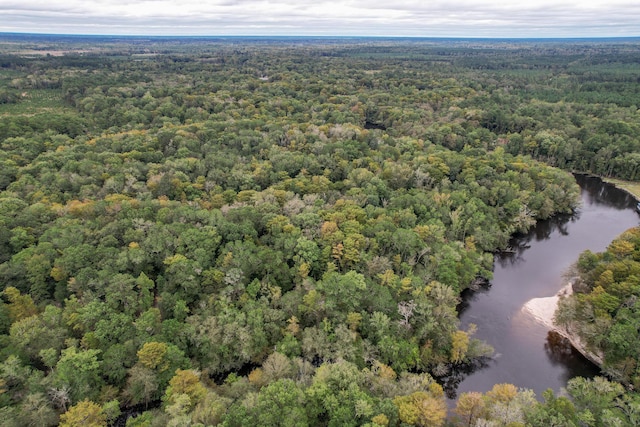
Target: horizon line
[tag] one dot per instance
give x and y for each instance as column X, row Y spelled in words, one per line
column 311, row 36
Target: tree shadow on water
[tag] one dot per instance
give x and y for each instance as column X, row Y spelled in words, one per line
column 560, row 352
column 543, row 230
column 456, row 374
column 471, row 294
column 558, row 349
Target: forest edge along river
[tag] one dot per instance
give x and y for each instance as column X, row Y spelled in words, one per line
column 527, row 354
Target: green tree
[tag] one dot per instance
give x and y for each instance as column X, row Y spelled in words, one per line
column 596, row 398
column 80, row 371
column 279, row 404
column 40, row 332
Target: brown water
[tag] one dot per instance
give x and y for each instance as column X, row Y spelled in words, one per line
column 526, row 355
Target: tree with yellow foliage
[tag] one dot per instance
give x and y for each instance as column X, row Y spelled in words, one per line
column 185, row 381
column 422, row 409
column 20, row 306
column 469, row 406
column 459, row 346
column 84, row 414
column 151, row 355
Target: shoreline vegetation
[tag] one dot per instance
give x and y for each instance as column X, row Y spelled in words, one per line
column 543, row 311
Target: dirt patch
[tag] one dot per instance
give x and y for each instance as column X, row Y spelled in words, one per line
column 31, row 52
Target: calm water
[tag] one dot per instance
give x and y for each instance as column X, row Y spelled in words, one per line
column 526, row 354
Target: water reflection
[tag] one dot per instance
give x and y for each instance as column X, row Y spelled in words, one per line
column 452, row 379
column 604, row 194
column 558, row 348
column 560, row 352
column 469, row 295
column 519, row 244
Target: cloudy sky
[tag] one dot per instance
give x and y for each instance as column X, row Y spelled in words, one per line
column 436, row 18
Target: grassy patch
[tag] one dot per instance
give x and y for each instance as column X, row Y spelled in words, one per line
column 35, row 101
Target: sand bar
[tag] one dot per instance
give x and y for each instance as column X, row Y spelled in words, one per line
column 543, row 310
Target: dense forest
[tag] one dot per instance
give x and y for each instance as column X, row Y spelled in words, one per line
column 603, row 312
column 277, row 231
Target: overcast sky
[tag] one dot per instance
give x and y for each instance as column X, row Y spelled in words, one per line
column 439, row 18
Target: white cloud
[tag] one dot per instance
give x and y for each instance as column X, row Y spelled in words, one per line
column 461, row 18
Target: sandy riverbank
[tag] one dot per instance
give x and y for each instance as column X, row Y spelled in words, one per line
column 543, row 310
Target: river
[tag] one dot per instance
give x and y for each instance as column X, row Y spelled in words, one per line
column 526, row 354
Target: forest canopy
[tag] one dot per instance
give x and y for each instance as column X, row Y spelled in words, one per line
column 261, row 232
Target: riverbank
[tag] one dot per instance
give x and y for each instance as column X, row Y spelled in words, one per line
column 524, row 354
column 633, row 188
column 543, row 311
